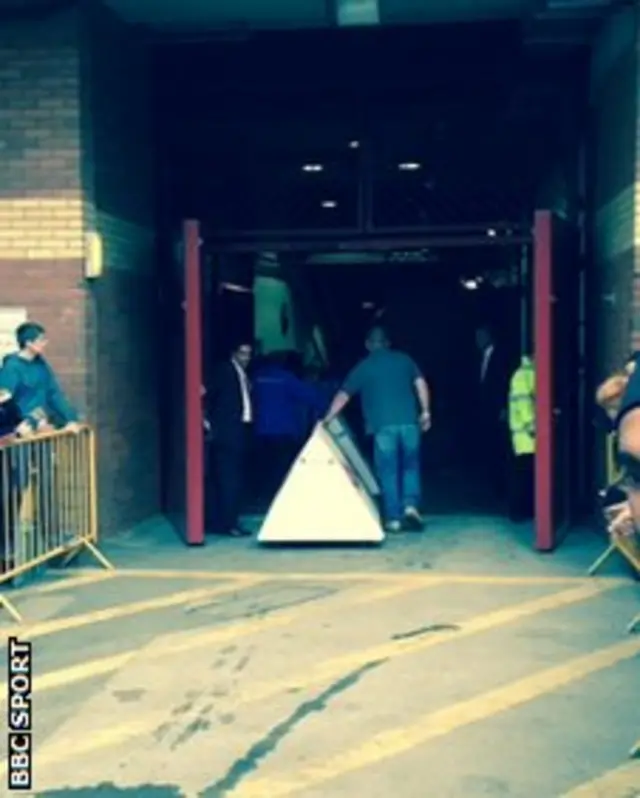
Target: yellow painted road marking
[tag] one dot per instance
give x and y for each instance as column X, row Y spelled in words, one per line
column 63, row 582
column 69, row 622
column 338, row 666
column 107, row 738
column 347, row 576
column 278, row 618
column 624, row 782
column 394, row 742
column 325, row 672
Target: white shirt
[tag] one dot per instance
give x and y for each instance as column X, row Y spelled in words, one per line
column 247, row 411
column 486, row 357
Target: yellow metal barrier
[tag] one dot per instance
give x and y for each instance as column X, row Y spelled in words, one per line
column 628, row 546
column 48, row 503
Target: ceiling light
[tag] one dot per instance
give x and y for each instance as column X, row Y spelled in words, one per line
column 409, row 166
column 368, row 305
column 235, row 288
column 471, row 283
column 329, row 204
column 313, row 167
column 353, row 145
column 492, row 233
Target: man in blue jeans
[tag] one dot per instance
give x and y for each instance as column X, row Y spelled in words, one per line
column 395, row 405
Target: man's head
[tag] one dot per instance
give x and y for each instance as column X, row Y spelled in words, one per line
column 31, row 338
column 241, row 353
column 484, row 338
column 377, row 339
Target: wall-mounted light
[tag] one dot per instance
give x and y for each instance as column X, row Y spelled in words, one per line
column 94, row 256
column 409, row 166
column 368, row 305
column 329, row 204
column 492, row 233
column 313, row 167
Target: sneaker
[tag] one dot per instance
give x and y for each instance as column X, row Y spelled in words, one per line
column 413, row 521
column 394, row 526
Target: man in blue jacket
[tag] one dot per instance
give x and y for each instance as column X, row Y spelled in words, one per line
column 29, row 380
column 282, row 403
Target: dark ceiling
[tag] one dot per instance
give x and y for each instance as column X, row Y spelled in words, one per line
column 482, row 114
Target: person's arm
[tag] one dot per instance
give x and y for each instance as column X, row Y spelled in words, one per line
column 352, row 385
column 57, row 401
column 423, row 394
column 10, row 379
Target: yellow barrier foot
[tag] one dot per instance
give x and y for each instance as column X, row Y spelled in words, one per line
column 99, row 556
column 635, row 751
column 602, row 559
column 10, row 608
column 92, row 549
column 634, row 624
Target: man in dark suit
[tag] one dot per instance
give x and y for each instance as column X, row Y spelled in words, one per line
column 493, row 382
column 229, row 414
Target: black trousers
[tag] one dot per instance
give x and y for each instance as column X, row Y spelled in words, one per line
column 521, row 488
column 226, row 480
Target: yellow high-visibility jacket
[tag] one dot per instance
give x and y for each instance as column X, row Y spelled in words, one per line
column 522, row 408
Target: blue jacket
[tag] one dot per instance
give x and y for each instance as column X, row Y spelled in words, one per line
column 282, row 402
column 35, row 390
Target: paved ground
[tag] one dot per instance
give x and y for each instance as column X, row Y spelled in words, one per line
column 454, row 665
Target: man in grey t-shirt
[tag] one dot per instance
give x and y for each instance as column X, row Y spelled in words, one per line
column 395, row 405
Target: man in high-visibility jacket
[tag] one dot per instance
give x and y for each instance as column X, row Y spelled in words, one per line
column 522, row 425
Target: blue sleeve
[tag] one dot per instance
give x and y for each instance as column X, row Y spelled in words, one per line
column 57, row 401
column 355, row 379
column 9, row 377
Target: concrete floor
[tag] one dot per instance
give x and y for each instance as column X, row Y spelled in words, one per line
column 453, row 664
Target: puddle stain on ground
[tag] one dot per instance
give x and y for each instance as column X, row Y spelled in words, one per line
column 247, row 764
column 127, row 696
column 109, row 790
column 424, row 630
column 200, row 724
column 257, row 608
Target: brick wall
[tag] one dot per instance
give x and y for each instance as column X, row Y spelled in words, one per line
column 75, row 155
column 117, row 169
column 41, row 202
column 614, row 96
column 614, row 295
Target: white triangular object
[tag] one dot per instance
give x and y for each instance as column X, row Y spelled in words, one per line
column 322, row 500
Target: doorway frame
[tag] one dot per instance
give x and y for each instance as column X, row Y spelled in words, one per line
column 194, row 417
column 545, row 538
column 469, row 236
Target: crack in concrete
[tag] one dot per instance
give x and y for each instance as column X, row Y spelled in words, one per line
column 248, row 763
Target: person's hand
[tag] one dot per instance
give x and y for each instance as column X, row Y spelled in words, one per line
column 24, row 430
column 44, row 426
column 620, row 520
column 73, row 427
column 425, row 421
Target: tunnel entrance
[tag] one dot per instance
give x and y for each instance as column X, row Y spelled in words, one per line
column 431, row 294
column 339, row 170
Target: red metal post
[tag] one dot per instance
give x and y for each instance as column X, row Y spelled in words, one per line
column 543, row 340
column 194, row 442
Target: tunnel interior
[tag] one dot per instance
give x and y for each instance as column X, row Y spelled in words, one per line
column 285, row 146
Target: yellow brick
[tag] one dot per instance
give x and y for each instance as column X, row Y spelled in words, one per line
column 12, row 254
